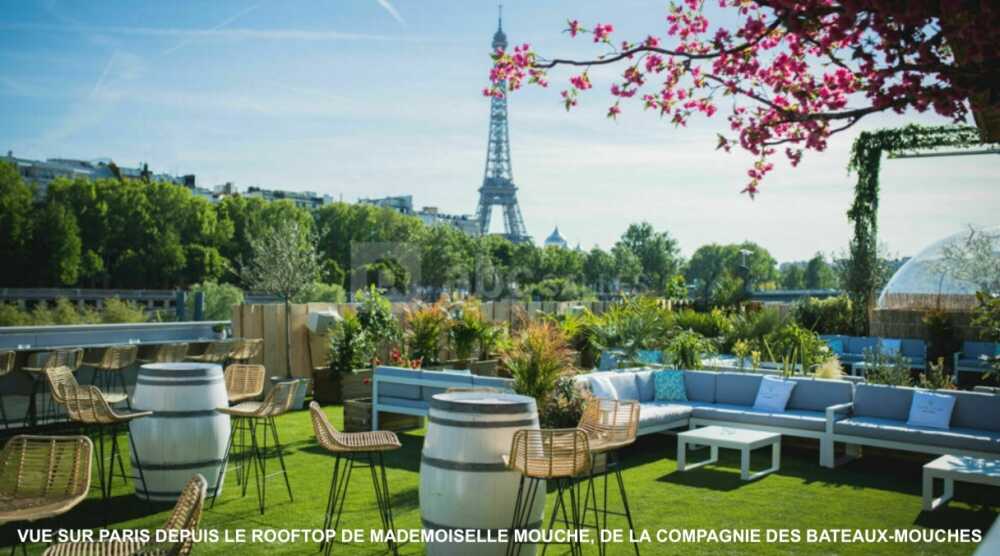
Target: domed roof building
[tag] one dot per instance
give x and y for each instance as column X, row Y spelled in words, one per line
column 947, row 273
column 556, row 239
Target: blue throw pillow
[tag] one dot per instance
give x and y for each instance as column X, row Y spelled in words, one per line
column 836, row 346
column 773, row 394
column 931, row 410
column 670, row 386
column 890, row 348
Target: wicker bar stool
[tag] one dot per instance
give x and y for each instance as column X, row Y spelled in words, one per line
column 562, row 455
column 166, row 353
column 109, row 370
column 185, row 517
column 43, row 477
column 6, row 367
column 86, row 405
column 246, row 349
column 244, row 382
column 67, row 358
column 59, row 377
column 215, row 352
column 354, row 446
column 246, row 418
column 610, row 425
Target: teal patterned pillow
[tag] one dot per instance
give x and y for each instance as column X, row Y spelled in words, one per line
column 670, row 386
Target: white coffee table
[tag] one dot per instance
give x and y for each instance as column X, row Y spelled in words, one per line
column 744, row 440
column 957, row 468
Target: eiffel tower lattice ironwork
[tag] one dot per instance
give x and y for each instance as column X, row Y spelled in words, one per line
column 498, row 182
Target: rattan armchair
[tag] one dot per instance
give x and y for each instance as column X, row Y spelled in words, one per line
column 59, row 377
column 6, row 367
column 43, row 476
column 166, row 353
column 246, row 349
column 244, row 382
column 109, row 370
column 354, row 449
column 185, row 517
column 610, row 425
column 246, row 417
column 215, row 352
column 559, row 455
column 86, row 406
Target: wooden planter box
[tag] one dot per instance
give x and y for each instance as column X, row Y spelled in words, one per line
column 486, row 367
column 358, row 418
column 335, row 387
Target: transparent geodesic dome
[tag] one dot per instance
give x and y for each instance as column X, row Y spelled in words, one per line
column 930, row 280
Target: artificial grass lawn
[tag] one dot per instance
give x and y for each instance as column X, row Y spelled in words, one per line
column 872, row 493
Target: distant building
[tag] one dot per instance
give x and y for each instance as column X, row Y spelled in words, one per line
column 556, row 239
column 305, row 199
column 430, row 216
column 402, row 204
column 42, row 173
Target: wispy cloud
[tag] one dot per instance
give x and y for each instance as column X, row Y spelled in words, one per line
column 221, row 25
column 226, row 33
column 387, row 6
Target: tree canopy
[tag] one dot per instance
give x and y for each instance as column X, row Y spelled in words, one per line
column 789, row 73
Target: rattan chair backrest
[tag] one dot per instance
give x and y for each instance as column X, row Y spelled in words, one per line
column 6, row 362
column 550, row 453
column 610, row 421
column 118, row 357
column 246, row 349
column 217, row 352
column 245, row 380
column 86, row 404
column 279, row 399
column 71, row 358
column 170, row 353
column 187, row 514
column 53, row 467
column 58, row 378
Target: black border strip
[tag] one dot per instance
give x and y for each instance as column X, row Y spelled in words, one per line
column 431, row 525
column 452, row 465
column 482, row 424
column 492, row 409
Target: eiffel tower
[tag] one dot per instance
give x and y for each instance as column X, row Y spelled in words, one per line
column 498, row 183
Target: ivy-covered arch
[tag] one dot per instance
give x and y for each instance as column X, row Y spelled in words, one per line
column 866, row 159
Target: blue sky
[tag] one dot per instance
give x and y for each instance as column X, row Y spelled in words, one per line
column 362, row 98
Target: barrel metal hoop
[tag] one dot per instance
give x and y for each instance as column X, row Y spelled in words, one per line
column 178, row 466
column 201, row 382
column 180, row 414
column 428, row 524
column 452, row 465
column 179, row 373
column 482, row 424
column 488, row 409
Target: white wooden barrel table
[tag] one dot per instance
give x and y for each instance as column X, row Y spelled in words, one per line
column 185, row 435
column 464, row 483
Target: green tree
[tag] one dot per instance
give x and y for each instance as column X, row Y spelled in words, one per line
column 718, row 275
column 599, row 270
column 657, row 252
column 792, row 276
column 628, row 265
column 445, row 260
column 57, row 237
column 818, row 274
column 282, row 265
column 15, row 226
column 707, row 266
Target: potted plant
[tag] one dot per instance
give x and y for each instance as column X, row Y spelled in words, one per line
column 537, row 358
column 375, row 314
column 351, row 355
column 491, row 340
column 425, row 329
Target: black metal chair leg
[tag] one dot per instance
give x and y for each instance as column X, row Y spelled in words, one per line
column 330, row 500
column 225, row 462
column 628, row 511
column 259, row 469
column 281, row 457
